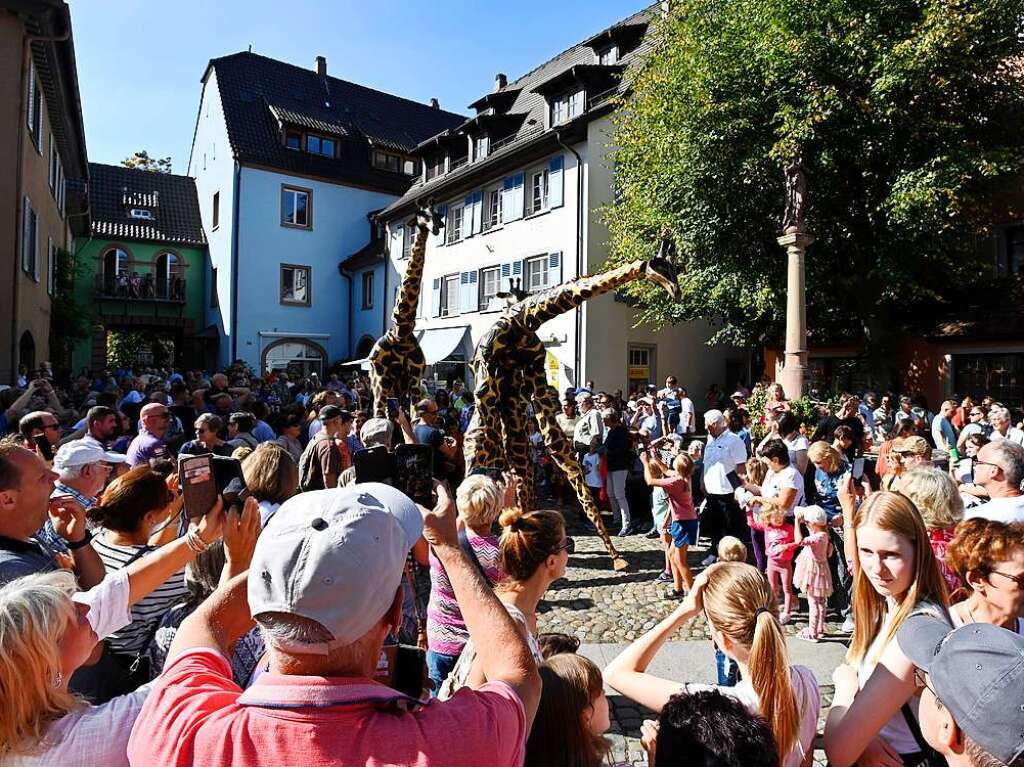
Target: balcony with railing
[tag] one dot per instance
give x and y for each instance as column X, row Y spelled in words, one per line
column 145, row 287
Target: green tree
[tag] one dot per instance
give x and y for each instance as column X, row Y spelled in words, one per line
column 70, row 318
column 906, row 113
column 142, row 161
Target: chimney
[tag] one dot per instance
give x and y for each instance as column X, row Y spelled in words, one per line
column 500, row 81
column 435, row 104
column 321, row 65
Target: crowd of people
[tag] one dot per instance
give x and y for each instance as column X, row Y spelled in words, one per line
column 319, row 618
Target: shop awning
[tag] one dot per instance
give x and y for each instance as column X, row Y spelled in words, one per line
column 440, row 343
column 362, row 364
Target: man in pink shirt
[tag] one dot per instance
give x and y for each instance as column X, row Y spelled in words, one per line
column 325, row 587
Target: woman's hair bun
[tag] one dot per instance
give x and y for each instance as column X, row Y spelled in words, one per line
column 510, row 517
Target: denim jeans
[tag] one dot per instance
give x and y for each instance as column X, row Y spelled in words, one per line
column 439, row 666
column 728, row 670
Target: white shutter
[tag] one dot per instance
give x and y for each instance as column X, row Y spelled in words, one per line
column 555, row 181
column 478, row 213
column 397, row 241
column 435, row 298
column 31, row 112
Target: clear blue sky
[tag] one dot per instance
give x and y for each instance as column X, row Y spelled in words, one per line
column 139, row 62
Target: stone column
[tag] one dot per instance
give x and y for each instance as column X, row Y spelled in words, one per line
column 792, row 376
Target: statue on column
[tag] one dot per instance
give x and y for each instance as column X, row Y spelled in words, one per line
column 796, row 192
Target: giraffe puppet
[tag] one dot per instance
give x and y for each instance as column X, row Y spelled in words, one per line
column 396, row 360
column 508, row 368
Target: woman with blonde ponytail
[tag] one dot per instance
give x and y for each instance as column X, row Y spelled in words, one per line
column 742, row 615
column 872, row 722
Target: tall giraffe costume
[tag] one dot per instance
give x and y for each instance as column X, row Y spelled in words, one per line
column 509, row 370
column 396, row 360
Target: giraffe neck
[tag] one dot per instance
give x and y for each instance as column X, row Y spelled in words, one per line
column 569, row 295
column 404, row 317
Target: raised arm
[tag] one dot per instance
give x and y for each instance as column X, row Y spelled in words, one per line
column 502, row 651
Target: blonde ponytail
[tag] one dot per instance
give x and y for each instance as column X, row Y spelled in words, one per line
column 739, row 603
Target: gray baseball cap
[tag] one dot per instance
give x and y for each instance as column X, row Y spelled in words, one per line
column 977, row 672
column 335, row 557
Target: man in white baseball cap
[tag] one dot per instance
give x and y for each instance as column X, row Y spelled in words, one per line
column 83, row 467
column 325, row 586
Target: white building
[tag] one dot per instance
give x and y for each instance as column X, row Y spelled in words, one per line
column 521, row 184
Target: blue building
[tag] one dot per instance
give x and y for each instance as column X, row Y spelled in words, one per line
column 288, row 164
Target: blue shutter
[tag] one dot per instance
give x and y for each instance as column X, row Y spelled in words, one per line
column 435, row 298
column 554, row 269
column 555, row 175
column 478, row 212
column 505, row 283
column 468, row 292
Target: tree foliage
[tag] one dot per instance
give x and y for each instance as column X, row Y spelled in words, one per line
column 907, row 114
column 70, row 318
column 142, row 161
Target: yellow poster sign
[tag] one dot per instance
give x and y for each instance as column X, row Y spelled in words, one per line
column 639, row 372
column 553, row 367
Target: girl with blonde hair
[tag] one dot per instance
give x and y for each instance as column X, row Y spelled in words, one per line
column 49, row 630
column 895, row 575
column 741, row 613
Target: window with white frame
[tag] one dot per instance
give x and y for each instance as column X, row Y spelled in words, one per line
column 450, row 295
column 30, row 240
column 538, row 199
column 481, row 147
column 367, row 302
column 566, row 107
column 490, row 284
column 492, row 208
column 455, row 218
column 295, row 285
column 608, row 55
column 536, row 277
column 295, row 207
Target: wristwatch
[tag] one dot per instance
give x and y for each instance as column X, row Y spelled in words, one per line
column 80, row 544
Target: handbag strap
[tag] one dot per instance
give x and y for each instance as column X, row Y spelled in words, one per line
column 915, row 730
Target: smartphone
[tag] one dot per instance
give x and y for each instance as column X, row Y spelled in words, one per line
column 392, row 403
column 414, row 472
column 374, row 464
column 198, row 484
column 858, row 468
column 43, row 446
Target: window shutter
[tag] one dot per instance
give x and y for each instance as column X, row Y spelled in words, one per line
column 442, row 238
column 517, row 196
column 30, row 112
column 468, row 296
column 554, row 269
column 435, row 298
column 555, row 176
column 26, row 224
column 398, row 241
column 478, row 212
column 35, row 248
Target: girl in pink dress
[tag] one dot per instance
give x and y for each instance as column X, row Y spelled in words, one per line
column 779, row 547
column 811, row 574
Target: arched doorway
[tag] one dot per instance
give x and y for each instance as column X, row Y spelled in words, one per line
column 115, row 262
column 364, row 347
column 169, row 276
column 298, row 356
column 27, row 351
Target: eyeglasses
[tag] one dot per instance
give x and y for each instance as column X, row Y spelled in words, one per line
column 921, row 680
column 1018, row 579
column 569, row 546
column 986, row 463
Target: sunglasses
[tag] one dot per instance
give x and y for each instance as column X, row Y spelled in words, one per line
column 569, row 546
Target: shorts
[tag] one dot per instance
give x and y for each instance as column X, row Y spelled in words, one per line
column 684, row 533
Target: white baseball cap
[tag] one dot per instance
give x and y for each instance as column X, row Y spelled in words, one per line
column 335, row 557
column 81, row 453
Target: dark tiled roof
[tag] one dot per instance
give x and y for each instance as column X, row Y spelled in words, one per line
column 530, row 105
column 259, row 94
column 115, row 190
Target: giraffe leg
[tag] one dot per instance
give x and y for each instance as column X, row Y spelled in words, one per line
column 482, row 446
column 517, row 448
column 545, row 400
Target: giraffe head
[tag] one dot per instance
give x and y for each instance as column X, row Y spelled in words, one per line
column 515, row 292
column 661, row 271
column 427, row 216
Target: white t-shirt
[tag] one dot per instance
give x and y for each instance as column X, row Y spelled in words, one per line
column 776, row 481
column 727, row 449
column 795, row 445
column 1006, row 510
column 686, row 413
column 895, row 732
column 592, row 469
column 95, row 736
column 808, row 703
column 1013, row 434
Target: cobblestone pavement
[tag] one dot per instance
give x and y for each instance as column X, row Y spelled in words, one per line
column 600, row 606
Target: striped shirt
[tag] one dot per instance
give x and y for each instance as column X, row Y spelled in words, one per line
column 147, row 613
column 446, row 629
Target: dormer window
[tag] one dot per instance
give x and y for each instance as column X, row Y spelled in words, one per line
column 566, row 107
column 435, row 166
column 481, row 147
column 609, row 55
column 394, row 163
column 320, row 145
column 142, row 214
column 293, row 140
